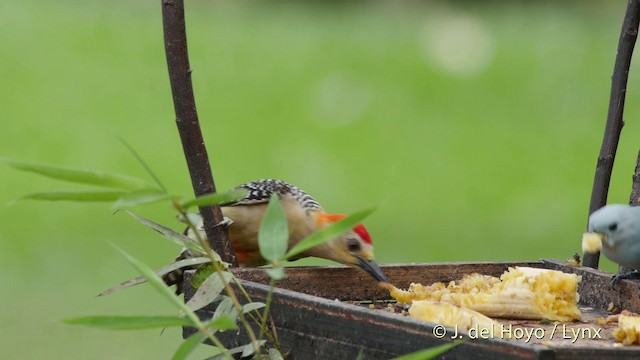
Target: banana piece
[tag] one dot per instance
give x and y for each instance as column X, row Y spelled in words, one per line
column 447, row 314
column 520, row 293
column 591, row 242
column 628, row 330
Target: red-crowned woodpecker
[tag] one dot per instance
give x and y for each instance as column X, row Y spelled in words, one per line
column 304, row 216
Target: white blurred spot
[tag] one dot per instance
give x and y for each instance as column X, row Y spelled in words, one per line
column 340, row 100
column 458, row 44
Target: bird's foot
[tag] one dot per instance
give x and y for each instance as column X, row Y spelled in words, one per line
column 225, row 222
column 626, row 276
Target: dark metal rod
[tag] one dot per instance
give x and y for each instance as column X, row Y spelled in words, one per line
column 615, row 121
column 175, row 41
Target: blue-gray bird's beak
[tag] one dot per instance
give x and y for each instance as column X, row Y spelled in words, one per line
column 372, row 268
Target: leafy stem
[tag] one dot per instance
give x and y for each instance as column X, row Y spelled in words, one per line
column 219, row 271
column 267, row 308
column 159, row 284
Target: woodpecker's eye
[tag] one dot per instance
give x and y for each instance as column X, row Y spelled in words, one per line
column 613, row 226
column 353, row 245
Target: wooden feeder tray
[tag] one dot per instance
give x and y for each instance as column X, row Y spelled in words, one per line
column 335, row 312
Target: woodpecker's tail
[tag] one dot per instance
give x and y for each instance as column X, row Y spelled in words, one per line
column 176, row 276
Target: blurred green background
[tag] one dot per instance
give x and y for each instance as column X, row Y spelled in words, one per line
column 474, row 127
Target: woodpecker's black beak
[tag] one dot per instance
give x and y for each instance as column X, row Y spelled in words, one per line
column 372, row 268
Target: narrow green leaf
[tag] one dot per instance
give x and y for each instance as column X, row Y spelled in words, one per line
column 129, row 322
column 181, row 264
column 224, row 322
column 140, row 197
column 274, row 354
column 225, row 308
column 160, row 272
column 273, row 237
column 216, row 198
column 144, row 165
column 79, row 176
column 189, row 345
column 276, row 273
column 202, row 274
column 193, row 218
column 208, row 290
column 155, row 281
column 252, row 306
column 81, row 196
column 328, row 233
column 236, row 350
column 360, row 354
column 249, row 350
column 170, row 234
column 430, row 353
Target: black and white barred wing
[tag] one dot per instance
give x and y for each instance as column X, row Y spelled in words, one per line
column 260, row 191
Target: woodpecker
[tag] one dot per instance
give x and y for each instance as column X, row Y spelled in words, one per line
column 304, row 216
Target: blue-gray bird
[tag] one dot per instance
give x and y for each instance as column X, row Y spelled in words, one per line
column 618, row 227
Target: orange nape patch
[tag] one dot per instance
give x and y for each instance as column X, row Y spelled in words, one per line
column 324, row 218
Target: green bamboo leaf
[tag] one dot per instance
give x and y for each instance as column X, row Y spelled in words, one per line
column 328, row 233
column 430, row 353
column 191, row 218
column 276, row 273
column 79, row 176
column 129, row 322
column 202, row 273
column 144, row 165
column 140, row 197
column 252, row 306
column 216, row 198
column 233, row 351
column 273, row 237
column 170, row 234
column 224, row 322
column 237, row 350
column 160, row 272
column 274, row 354
column 81, row 196
column 189, row 345
column 155, row 281
column 225, row 308
column 249, row 349
column 209, row 290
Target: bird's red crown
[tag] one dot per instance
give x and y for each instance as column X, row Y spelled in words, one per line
column 364, row 234
column 358, row 229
